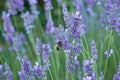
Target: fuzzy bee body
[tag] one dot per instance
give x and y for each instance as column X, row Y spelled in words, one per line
column 58, row 45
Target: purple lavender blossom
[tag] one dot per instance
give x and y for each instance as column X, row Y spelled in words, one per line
column 28, row 21
column 65, row 40
column 72, row 63
column 50, row 28
column 18, row 42
column 117, row 76
column 93, row 77
column 9, row 37
column 117, row 2
column 8, row 27
column 79, row 68
column 14, row 6
column 8, row 73
column 48, row 5
column 78, row 5
column 94, row 51
column 90, row 2
column 76, row 25
column 107, row 53
column 27, row 71
column 22, row 38
column 88, row 67
column 46, row 55
column 38, row 46
column 33, row 7
column 118, row 24
column 78, row 48
column 22, row 75
column 66, row 15
column 59, row 33
column 16, row 45
column 91, row 12
column 39, row 71
column 111, row 11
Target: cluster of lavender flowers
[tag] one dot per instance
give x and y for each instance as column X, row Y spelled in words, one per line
column 72, row 36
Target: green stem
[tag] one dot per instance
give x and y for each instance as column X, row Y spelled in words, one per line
column 15, row 20
column 87, row 50
column 51, row 75
column 108, row 50
column 113, row 45
column 1, row 59
column 106, row 66
column 96, row 70
column 114, row 54
column 101, row 51
column 66, row 68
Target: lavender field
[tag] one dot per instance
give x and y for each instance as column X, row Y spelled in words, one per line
column 59, row 39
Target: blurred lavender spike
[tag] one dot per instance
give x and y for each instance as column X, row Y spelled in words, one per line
column 18, row 42
column 111, row 12
column 8, row 73
column 14, row 6
column 38, row 47
column 108, row 54
column 94, row 52
column 48, row 5
column 76, row 26
column 39, row 71
column 50, row 28
column 66, row 15
column 88, row 67
column 8, row 27
column 77, row 4
column 33, row 7
column 89, row 72
column 118, row 24
column 46, row 50
column 28, row 21
column 90, row 2
column 27, row 71
column 117, row 76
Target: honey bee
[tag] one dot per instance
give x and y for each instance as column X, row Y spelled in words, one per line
column 58, row 45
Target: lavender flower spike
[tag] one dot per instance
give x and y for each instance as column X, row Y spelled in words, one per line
column 89, row 72
column 46, row 55
column 66, row 15
column 94, row 51
column 28, row 21
column 39, row 71
column 38, row 47
column 8, row 27
column 48, row 5
column 33, row 7
column 27, row 70
column 14, row 6
column 117, row 76
column 8, row 73
column 88, row 68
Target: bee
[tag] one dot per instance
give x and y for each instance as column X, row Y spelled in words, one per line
column 58, row 45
